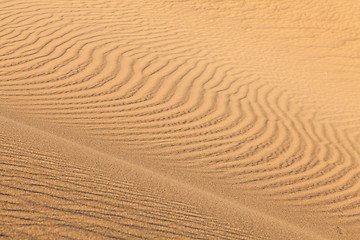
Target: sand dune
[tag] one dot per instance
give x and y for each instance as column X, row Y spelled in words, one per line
column 180, row 119
column 55, row 188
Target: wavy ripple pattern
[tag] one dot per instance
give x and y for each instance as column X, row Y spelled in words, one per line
column 133, row 75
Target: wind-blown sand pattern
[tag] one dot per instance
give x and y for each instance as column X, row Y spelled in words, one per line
column 179, row 119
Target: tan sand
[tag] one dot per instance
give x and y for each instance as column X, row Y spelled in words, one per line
column 179, row 119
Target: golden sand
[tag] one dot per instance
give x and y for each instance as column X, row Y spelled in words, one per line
column 182, row 119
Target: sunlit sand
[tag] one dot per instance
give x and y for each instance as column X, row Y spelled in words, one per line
column 180, row 119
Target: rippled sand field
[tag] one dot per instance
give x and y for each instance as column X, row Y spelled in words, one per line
column 187, row 119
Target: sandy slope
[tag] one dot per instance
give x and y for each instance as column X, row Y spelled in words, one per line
column 180, row 119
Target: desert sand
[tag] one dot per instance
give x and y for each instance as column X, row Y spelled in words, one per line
column 206, row 119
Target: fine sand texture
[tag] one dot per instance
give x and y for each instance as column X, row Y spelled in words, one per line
column 186, row 119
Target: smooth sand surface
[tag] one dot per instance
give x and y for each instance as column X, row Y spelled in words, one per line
column 207, row 119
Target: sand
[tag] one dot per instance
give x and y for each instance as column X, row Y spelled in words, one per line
column 182, row 119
